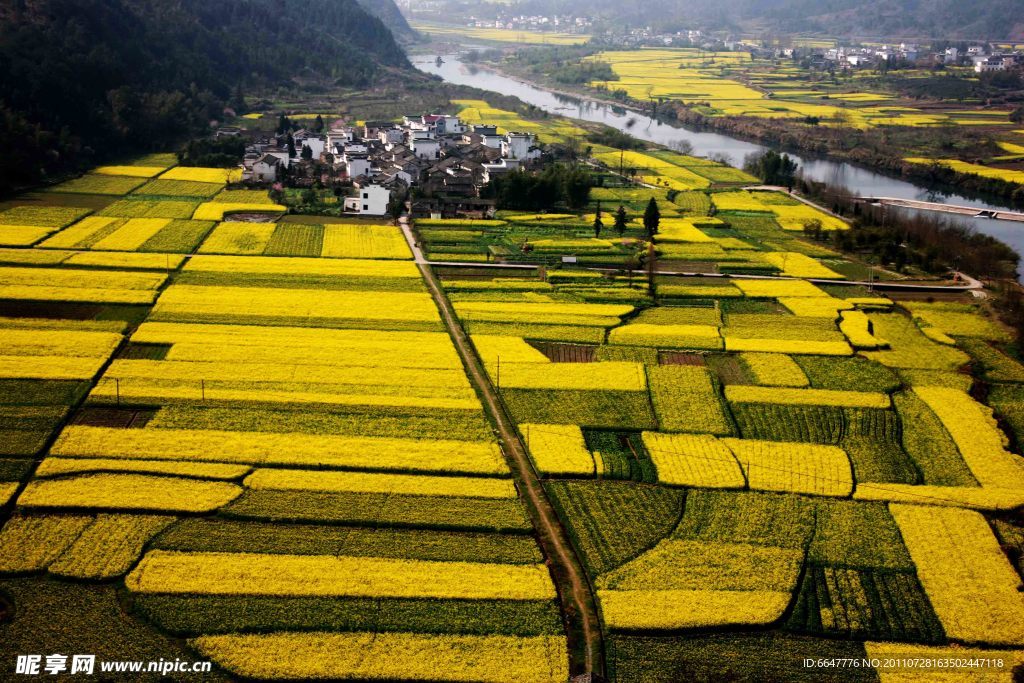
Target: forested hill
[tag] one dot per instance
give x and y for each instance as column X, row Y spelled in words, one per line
column 85, row 79
column 388, row 12
column 886, row 19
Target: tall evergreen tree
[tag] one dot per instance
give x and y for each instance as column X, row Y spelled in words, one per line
column 652, row 217
column 621, row 220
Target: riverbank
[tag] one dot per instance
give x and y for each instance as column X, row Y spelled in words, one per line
column 847, row 145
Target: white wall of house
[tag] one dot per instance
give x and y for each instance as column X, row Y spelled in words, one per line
column 370, row 200
column 357, row 166
column 264, row 172
column 518, row 146
column 426, row 149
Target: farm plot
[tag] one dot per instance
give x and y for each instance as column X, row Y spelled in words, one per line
column 280, row 390
column 23, row 226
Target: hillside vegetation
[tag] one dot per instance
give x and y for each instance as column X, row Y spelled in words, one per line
column 88, row 79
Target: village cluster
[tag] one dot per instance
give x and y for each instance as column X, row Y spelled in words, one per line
column 447, row 160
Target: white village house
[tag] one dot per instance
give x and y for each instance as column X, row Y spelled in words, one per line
column 370, row 200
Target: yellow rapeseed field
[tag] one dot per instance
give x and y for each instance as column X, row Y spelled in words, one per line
column 969, row 581
column 390, row 656
column 213, row 573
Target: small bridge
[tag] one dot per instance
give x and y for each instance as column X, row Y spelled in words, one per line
column 970, row 211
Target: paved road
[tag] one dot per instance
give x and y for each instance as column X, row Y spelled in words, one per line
column 586, row 645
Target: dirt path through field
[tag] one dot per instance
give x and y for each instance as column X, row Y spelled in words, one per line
column 586, row 647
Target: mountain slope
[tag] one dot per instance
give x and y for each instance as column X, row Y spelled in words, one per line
column 387, row 11
column 85, row 79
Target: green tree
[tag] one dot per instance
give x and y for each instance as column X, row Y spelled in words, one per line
column 621, row 220
column 652, row 217
column 318, row 124
column 307, row 152
column 598, row 223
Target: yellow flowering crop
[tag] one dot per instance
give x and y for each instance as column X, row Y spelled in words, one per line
column 977, row 436
column 390, row 656
column 243, row 197
column 961, row 321
column 213, row 573
column 278, row 370
column 531, row 312
column 815, row 306
column 200, row 174
column 191, row 392
column 681, row 230
column 686, row 399
column 129, row 492
column 185, row 300
column 22, row 235
column 132, row 235
column 901, row 652
column 855, row 324
column 969, row 581
column 977, row 497
column 819, row 348
column 811, row 397
column 30, row 543
column 667, row 336
column 773, row 289
column 309, row 346
column 109, row 546
column 262, row 448
column 364, row 241
column 57, row 279
column 793, row 467
column 909, row 348
column 82, row 230
column 676, row 609
column 237, row 238
column 490, row 348
column 49, row 367
column 125, row 259
column 693, row 460
column 7, row 490
column 217, row 211
column 797, row 217
column 369, row 482
column 775, row 370
column 676, row 564
column 51, row 466
column 34, row 342
column 619, row 376
column 794, row 264
column 133, row 171
column 558, row 449
column 699, row 291
column 291, row 265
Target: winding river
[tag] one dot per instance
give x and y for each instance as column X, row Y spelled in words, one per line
column 859, row 180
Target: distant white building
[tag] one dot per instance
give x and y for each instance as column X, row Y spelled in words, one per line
column 426, row 148
column 266, row 168
column 990, row 64
column 449, row 125
column 371, row 200
column 357, row 164
column 951, row 55
column 520, row 146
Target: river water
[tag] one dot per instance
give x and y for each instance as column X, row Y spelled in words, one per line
column 858, row 180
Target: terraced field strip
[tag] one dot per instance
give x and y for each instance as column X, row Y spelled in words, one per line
column 574, row 591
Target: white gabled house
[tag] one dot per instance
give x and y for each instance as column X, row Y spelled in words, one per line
column 370, row 200
column 266, row 168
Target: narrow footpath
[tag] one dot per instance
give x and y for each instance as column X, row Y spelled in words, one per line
column 586, row 646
